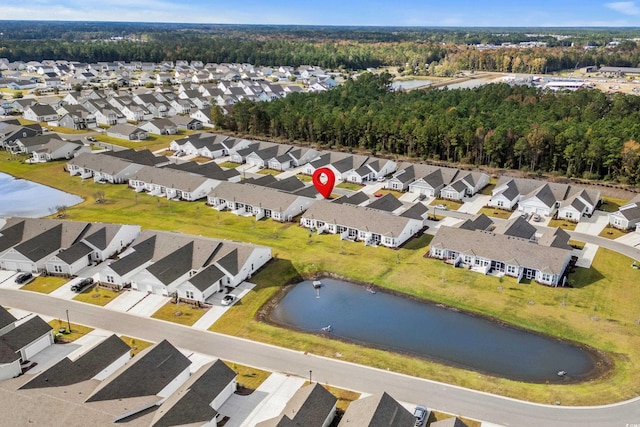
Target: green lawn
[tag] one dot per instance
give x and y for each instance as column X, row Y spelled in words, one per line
column 229, row 165
column 77, row 331
column 248, row 377
column 488, row 190
column 612, row 233
column 97, row 296
column 350, row 186
column 452, row 205
column 45, row 284
column 304, row 178
column 563, row 223
column 181, row 313
column 68, row 130
column 394, row 193
column 153, row 143
column 607, row 291
column 611, row 204
column 495, row 212
column 269, row 172
column 136, row 344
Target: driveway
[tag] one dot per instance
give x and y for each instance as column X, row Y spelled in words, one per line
column 593, row 225
column 266, row 402
column 148, row 305
column 65, row 291
column 7, row 279
column 126, row 300
column 474, row 204
column 586, row 255
column 217, row 309
column 631, row 239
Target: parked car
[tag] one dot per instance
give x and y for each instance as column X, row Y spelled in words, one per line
column 381, row 179
column 92, row 139
column 420, row 413
column 228, row 299
column 536, row 218
column 441, row 206
column 23, row 278
column 82, row 285
column 421, row 197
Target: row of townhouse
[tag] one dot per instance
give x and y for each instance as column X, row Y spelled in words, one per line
column 512, row 249
column 192, row 268
column 437, row 181
column 627, row 217
column 545, row 198
column 106, row 384
column 45, row 148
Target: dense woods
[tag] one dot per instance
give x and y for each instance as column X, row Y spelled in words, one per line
column 585, row 133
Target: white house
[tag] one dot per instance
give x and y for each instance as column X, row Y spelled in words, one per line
column 628, row 216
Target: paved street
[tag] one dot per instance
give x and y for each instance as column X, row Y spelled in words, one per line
column 477, row 405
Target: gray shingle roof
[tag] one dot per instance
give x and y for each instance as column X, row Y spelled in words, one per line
column 26, row 333
column 191, row 402
column 141, row 157
column 416, row 211
column 387, row 203
column 170, row 178
column 310, row 406
column 254, row 195
column 498, row 247
column 48, row 242
column 7, row 355
column 145, row 375
column 354, row 199
column 449, row 422
column 479, row 222
column 376, row 410
column 206, row 277
column 74, row 253
column 82, row 369
column 516, row 227
column 6, row 318
column 173, row 265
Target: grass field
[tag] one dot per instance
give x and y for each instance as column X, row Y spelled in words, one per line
column 612, row 233
column 77, row 331
column 452, row 205
column 229, row 165
column 248, row 376
column 181, row 313
column 562, row 223
column 611, row 204
column 495, row 212
column 607, row 291
column 97, row 296
column 350, row 186
column 45, row 284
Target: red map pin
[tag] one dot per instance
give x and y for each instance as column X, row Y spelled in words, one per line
column 324, row 180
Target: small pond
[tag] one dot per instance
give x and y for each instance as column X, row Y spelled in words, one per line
column 409, row 84
column 20, row 197
column 406, row 325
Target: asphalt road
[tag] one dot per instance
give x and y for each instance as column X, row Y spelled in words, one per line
column 473, row 404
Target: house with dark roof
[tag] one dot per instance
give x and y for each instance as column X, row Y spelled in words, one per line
column 9, row 359
column 30, row 144
column 99, row 242
column 160, row 127
column 373, row 169
column 261, row 202
column 311, row 406
column 32, row 253
column 377, row 410
column 40, row 113
column 142, row 157
column 372, row 226
column 406, row 174
column 387, row 203
column 465, row 184
column 509, row 249
column 128, row 132
column 293, row 158
column 431, row 184
column 208, row 170
column 449, row 422
column 357, row 199
column 9, row 132
column 27, row 339
column 198, row 400
column 580, row 202
column 627, row 217
column 144, row 381
column 186, row 123
column 97, row 363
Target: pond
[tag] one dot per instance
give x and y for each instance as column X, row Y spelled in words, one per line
column 406, row 325
column 20, row 197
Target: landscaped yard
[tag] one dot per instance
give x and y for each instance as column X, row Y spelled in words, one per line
column 452, row 205
column 612, row 204
column 269, row 172
column 612, row 233
column 350, row 186
column 97, row 296
column 394, row 193
column 229, row 165
column 607, row 291
column 304, row 178
column 181, row 313
column 77, row 331
column 563, row 223
column 45, row 284
column 153, row 143
column 248, row 377
column 495, row 212
column 137, row 345
column 487, row 191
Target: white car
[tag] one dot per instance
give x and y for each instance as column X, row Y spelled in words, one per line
column 228, row 299
column 381, row 179
column 441, row 206
column 421, row 413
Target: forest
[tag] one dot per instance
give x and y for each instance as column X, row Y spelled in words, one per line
column 421, row 51
column 586, row 133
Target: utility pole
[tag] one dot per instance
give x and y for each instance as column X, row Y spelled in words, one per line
column 68, row 323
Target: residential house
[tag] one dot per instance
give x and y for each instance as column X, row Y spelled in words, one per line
column 198, row 400
column 544, row 261
column 627, row 217
column 292, row 158
column 203, row 115
column 377, row 410
column 372, row 226
column 186, row 123
column 160, row 127
column 387, row 203
column 464, row 184
column 265, row 151
column 311, row 406
column 103, row 168
column 97, row 363
column 141, row 157
column 431, row 184
column 76, row 117
column 100, row 242
column 40, row 113
column 10, row 132
column 57, row 149
column 20, row 343
column 341, row 164
column 136, row 113
column 32, row 143
column 128, row 132
column 580, row 202
column 371, row 170
column 208, row 170
column 261, row 202
column 109, row 117
column 9, row 359
column 171, row 183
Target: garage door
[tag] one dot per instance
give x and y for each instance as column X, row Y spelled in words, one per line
column 25, row 266
column 11, row 266
column 37, row 346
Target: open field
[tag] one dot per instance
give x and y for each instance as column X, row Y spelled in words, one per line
column 611, row 204
column 601, row 309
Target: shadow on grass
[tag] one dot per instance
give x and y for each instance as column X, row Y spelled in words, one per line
column 276, row 272
column 582, row 277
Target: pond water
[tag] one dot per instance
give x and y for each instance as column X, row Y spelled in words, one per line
column 409, row 84
column 408, row 326
column 20, row 197
column 469, row 84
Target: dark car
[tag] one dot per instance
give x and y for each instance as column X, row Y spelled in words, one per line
column 82, row 285
column 23, row 278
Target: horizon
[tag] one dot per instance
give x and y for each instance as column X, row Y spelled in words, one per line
column 350, row 13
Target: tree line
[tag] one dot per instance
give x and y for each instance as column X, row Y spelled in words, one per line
column 586, row 133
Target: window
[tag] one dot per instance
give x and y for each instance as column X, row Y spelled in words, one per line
column 189, row 294
column 568, row 215
column 546, row 277
column 110, row 279
column 467, row 259
column 500, row 203
column 57, row 268
column 512, row 269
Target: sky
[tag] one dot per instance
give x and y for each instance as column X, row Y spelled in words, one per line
column 467, row 13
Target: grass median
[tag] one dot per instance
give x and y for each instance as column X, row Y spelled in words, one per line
column 601, row 310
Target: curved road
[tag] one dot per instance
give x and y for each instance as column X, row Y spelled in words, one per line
column 456, row 400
